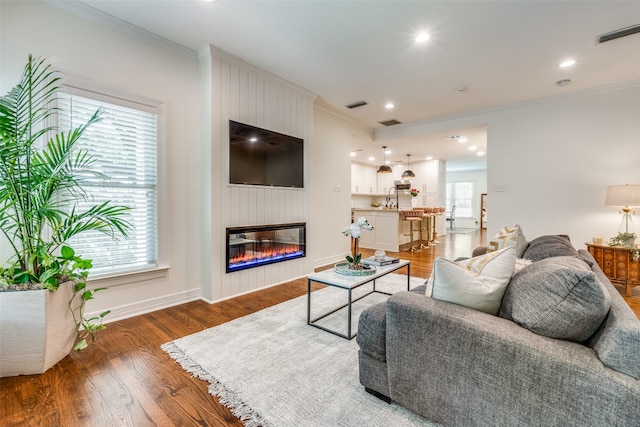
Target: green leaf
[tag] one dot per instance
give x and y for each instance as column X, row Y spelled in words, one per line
column 87, row 295
column 104, row 313
column 82, row 344
column 67, row 252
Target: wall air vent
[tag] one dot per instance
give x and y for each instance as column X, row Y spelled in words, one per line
column 356, row 104
column 623, row 32
column 390, row 122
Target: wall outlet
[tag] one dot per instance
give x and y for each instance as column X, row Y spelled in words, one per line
column 499, row 188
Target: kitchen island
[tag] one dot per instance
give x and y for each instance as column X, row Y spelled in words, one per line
column 389, row 232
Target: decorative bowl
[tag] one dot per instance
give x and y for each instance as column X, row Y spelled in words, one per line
column 343, row 268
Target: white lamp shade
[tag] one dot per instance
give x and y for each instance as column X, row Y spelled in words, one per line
column 623, row 195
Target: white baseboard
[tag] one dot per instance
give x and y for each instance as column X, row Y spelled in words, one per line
column 147, row 306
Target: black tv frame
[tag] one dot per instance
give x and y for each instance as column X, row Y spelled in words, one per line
column 267, row 161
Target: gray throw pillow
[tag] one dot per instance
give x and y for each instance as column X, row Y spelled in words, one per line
column 557, row 297
column 549, row 246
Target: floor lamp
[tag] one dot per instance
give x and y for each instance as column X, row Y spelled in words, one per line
column 626, row 197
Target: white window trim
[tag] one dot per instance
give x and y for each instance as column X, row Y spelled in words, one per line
column 473, row 197
column 77, row 86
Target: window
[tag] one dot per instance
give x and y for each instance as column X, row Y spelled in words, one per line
column 125, row 146
column 460, row 195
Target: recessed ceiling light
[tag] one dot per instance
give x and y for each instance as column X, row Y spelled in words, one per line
column 353, row 154
column 389, row 105
column 387, row 151
column 462, row 139
column 567, row 63
column 254, row 139
column 422, row 37
column 480, row 153
column 371, row 158
column 429, row 158
column 473, row 148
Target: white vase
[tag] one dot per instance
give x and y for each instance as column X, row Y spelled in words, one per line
column 414, row 202
column 36, row 330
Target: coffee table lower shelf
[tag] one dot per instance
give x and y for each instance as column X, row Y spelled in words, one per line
column 349, row 283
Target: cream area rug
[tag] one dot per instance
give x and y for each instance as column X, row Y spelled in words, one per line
column 272, row 369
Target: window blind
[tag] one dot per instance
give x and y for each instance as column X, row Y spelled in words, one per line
column 124, row 145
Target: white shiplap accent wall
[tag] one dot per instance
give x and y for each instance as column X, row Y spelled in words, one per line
column 242, row 92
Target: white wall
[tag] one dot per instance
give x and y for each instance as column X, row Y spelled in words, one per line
column 137, row 66
column 236, row 90
column 555, row 158
column 332, row 167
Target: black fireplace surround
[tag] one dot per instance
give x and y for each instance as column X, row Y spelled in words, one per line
column 258, row 245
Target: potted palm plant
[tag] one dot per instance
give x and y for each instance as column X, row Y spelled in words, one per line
column 43, row 174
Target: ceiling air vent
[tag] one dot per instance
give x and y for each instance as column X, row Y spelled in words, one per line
column 390, row 122
column 623, row 32
column 357, row 104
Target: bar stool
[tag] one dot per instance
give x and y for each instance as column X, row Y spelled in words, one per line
column 425, row 216
column 413, row 216
column 439, row 211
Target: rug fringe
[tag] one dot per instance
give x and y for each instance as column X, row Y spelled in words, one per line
column 228, row 398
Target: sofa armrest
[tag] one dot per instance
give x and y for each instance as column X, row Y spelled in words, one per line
column 459, row 366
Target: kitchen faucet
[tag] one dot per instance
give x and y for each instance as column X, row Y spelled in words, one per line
column 387, row 200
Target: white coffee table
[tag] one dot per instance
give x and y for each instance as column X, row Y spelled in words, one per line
column 349, row 283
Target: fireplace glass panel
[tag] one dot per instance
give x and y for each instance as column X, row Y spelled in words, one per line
column 254, row 246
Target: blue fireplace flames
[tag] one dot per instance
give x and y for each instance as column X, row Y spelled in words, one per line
column 255, row 246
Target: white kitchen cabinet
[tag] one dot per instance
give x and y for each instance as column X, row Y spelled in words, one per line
column 363, row 179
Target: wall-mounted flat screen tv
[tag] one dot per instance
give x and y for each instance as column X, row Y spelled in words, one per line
column 263, row 157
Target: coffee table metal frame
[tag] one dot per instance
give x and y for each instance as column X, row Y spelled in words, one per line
column 331, row 278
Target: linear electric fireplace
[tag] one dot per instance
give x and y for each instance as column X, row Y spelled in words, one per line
column 258, row 245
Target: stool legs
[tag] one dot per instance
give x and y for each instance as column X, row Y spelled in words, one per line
column 414, row 248
column 434, row 239
column 428, row 230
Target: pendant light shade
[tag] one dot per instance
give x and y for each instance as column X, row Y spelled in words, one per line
column 408, row 173
column 384, row 168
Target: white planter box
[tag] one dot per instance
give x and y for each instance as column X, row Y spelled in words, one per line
column 36, row 330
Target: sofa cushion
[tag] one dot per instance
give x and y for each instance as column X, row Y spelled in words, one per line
column 477, row 283
column 549, row 246
column 509, row 236
column 558, row 297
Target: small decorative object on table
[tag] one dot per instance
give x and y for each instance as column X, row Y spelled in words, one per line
column 353, row 266
column 414, row 193
column 626, row 240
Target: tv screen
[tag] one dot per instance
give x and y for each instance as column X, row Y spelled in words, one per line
column 263, row 157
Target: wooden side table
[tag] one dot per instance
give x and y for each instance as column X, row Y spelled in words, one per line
column 617, row 265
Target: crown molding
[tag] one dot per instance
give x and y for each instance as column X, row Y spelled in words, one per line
column 85, row 11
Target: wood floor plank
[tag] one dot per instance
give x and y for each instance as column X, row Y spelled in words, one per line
column 127, row 380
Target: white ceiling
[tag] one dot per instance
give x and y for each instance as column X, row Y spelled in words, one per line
column 502, row 52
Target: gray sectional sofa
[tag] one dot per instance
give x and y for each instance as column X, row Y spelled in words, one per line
column 462, row 367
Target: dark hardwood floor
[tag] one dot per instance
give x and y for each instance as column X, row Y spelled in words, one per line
column 125, row 379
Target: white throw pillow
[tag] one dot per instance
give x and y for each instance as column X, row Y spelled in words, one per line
column 477, row 283
column 509, row 236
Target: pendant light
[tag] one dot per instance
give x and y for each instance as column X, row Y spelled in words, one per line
column 408, row 173
column 384, row 168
